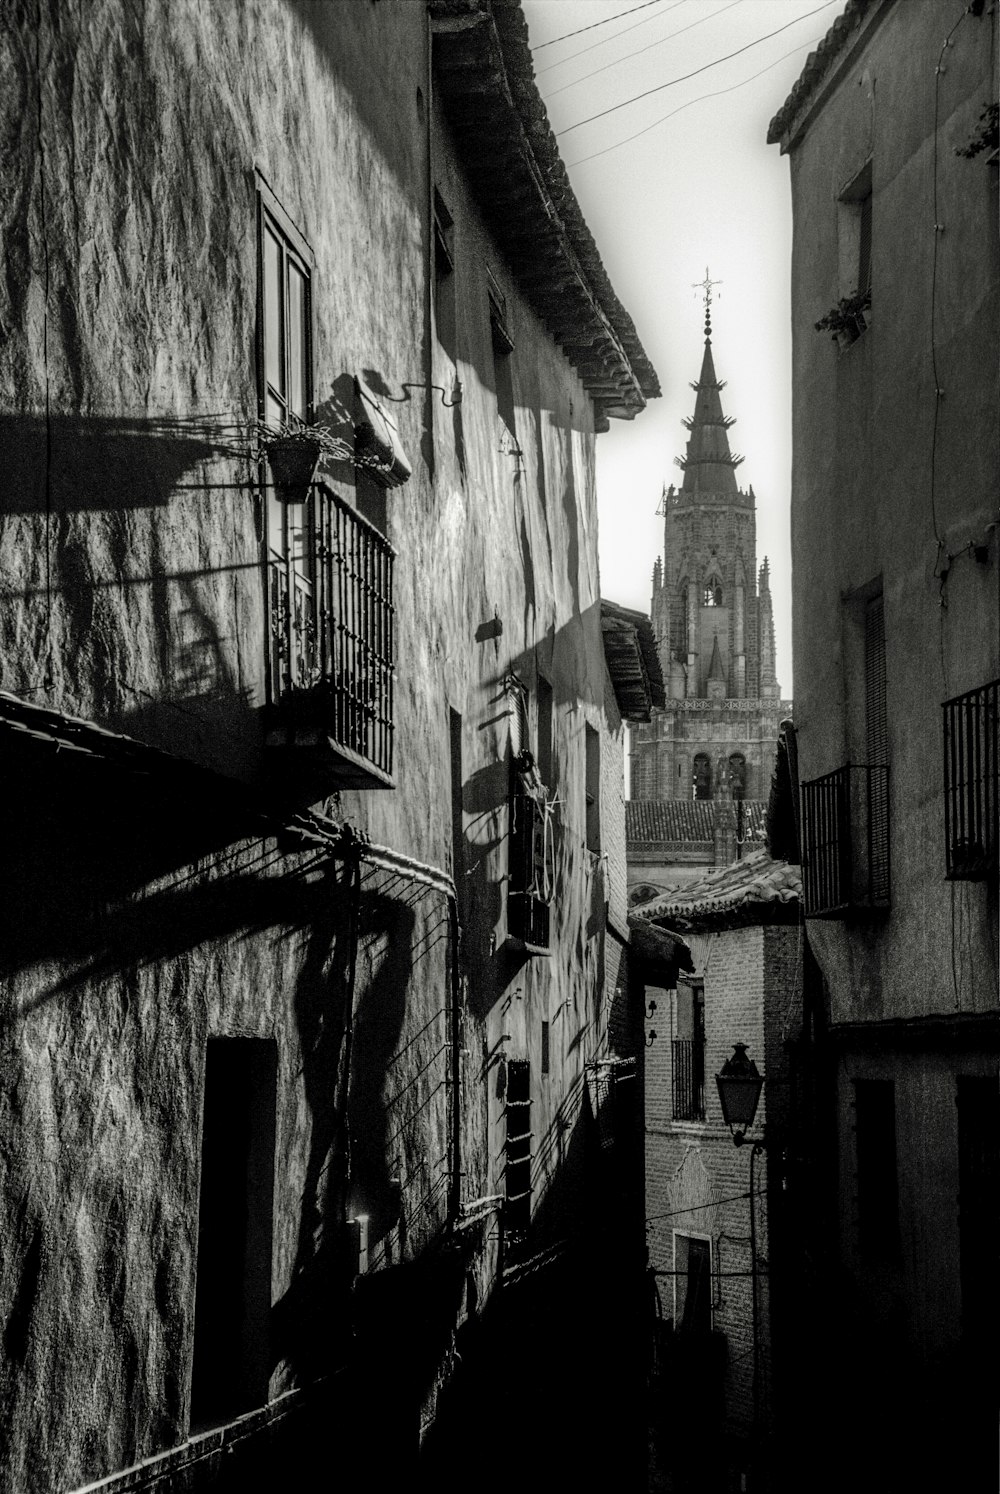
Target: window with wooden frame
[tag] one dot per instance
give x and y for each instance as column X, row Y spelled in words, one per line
column 285, row 385
column 503, row 346
column 444, row 277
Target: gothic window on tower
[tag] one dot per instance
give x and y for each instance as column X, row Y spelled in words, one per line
column 702, row 776
column 712, row 595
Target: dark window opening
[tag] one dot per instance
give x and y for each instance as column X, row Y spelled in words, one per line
column 457, row 815
column 693, row 1284
column 545, row 1048
column 877, row 1197
column 231, row 1362
column 444, row 277
column 593, row 790
column 978, row 1198
column 702, row 776
column 688, row 1052
column 712, row 596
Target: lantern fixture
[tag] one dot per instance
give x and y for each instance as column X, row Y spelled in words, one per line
column 740, row 1083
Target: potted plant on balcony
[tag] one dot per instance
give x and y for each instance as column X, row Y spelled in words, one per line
column 293, row 451
column 848, row 319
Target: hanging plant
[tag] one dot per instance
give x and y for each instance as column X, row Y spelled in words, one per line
column 848, row 319
column 293, row 451
column 986, row 135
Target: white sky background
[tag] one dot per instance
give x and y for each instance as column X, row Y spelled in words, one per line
column 700, row 189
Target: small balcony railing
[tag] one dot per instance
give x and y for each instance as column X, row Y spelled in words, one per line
column 330, row 618
column 688, row 1079
column 845, row 842
column 971, row 782
column 528, row 893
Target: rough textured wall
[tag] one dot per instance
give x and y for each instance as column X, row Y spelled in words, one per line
column 133, row 594
column 883, row 470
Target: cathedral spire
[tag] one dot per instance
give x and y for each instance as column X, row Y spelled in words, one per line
column 708, row 465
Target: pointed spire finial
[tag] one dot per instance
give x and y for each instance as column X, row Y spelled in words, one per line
column 706, row 286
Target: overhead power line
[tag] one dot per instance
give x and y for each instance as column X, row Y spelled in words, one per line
column 704, row 69
column 594, row 24
column 718, row 92
column 571, row 57
column 639, row 50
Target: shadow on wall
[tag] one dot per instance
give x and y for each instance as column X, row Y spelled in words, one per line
column 113, row 464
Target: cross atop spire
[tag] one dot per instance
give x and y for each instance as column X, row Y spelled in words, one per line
column 706, row 286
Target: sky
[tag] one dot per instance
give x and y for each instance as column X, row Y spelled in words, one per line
column 699, row 190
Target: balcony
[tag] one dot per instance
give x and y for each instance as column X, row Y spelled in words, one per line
column 330, row 623
column 845, row 842
column 529, row 889
column 688, row 1079
column 971, row 782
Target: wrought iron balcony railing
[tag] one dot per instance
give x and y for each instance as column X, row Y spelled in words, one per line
column 330, row 618
column 845, row 842
column 971, row 783
column 688, row 1079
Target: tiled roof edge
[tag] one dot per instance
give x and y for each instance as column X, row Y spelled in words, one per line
column 819, row 63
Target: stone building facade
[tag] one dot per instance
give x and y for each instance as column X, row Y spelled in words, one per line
column 306, row 936
column 896, row 456
column 701, row 770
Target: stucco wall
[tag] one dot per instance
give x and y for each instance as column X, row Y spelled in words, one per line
column 872, row 479
column 896, row 455
column 133, row 595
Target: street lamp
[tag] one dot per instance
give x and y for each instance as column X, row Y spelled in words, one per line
column 740, row 1082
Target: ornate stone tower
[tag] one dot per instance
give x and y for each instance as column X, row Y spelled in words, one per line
column 716, row 739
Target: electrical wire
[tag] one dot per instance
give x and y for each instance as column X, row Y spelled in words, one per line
column 594, row 25
column 672, row 82
column 604, row 40
column 699, row 100
column 714, row 1203
column 640, row 50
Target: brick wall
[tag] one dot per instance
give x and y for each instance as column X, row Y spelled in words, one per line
column 697, row 1181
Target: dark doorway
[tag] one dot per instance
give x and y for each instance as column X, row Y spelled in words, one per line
column 230, row 1366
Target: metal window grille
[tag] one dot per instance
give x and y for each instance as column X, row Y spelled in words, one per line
column 845, row 835
column 527, row 910
column 971, row 782
column 517, row 1151
column 688, row 1079
column 331, row 627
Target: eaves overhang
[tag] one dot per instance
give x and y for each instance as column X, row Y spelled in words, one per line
column 824, row 68
column 632, row 660
column 485, row 81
